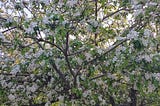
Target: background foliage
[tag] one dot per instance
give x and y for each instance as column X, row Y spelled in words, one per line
column 80, row 52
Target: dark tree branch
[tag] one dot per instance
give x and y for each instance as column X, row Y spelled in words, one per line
column 105, row 17
column 45, row 41
column 67, row 59
column 111, row 14
column 111, row 99
column 61, row 75
column 8, row 74
column 78, row 52
column 1, row 18
column 96, row 14
column 100, row 76
column 24, row 46
column 9, row 29
column 132, row 95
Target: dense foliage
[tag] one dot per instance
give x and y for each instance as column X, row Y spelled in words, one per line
column 82, row 52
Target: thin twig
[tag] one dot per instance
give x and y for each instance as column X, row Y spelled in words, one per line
column 9, row 74
column 45, row 41
column 111, row 14
column 9, row 29
column 96, row 15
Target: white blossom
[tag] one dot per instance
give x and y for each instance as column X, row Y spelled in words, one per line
column 2, row 36
column 134, row 2
column 72, row 37
column 112, row 76
column 79, row 61
column 60, row 3
column 86, row 93
column 13, row 90
column 10, row 84
column 135, row 86
column 122, row 48
column 88, row 56
column 1, row 77
column 46, row 2
column 138, row 12
column 61, row 98
column 49, row 95
column 45, row 20
column 147, row 32
column 4, row 83
column 48, row 103
column 100, row 98
column 30, row 29
column 126, row 78
column 157, row 76
column 103, row 103
column 132, row 35
column 151, row 88
column 20, row 87
column 15, row 69
column 57, row 62
column 147, row 58
column 42, row 62
column 71, row 3
column 152, row 4
column 77, row 13
column 93, row 22
column 33, row 24
column 128, row 99
column 145, row 42
column 120, row 38
column 38, row 53
column 92, row 102
column 137, row 7
column 32, row 76
column 114, row 84
column 114, row 59
column 11, row 97
column 9, row 20
column 99, row 50
column 33, row 88
column 148, row 76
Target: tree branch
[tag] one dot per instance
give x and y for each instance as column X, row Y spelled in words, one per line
column 9, row 74
column 9, row 29
column 96, row 14
column 109, row 50
column 133, row 97
column 61, row 75
column 45, row 41
column 105, row 17
column 112, row 101
column 66, row 58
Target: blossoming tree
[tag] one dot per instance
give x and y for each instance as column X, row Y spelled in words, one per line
column 80, row 52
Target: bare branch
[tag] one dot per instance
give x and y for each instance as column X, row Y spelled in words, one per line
column 105, row 17
column 109, row 50
column 45, row 41
column 9, row 29
column 66, row 54
column 9, row 74
column 96, row 15
column 61, row 75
